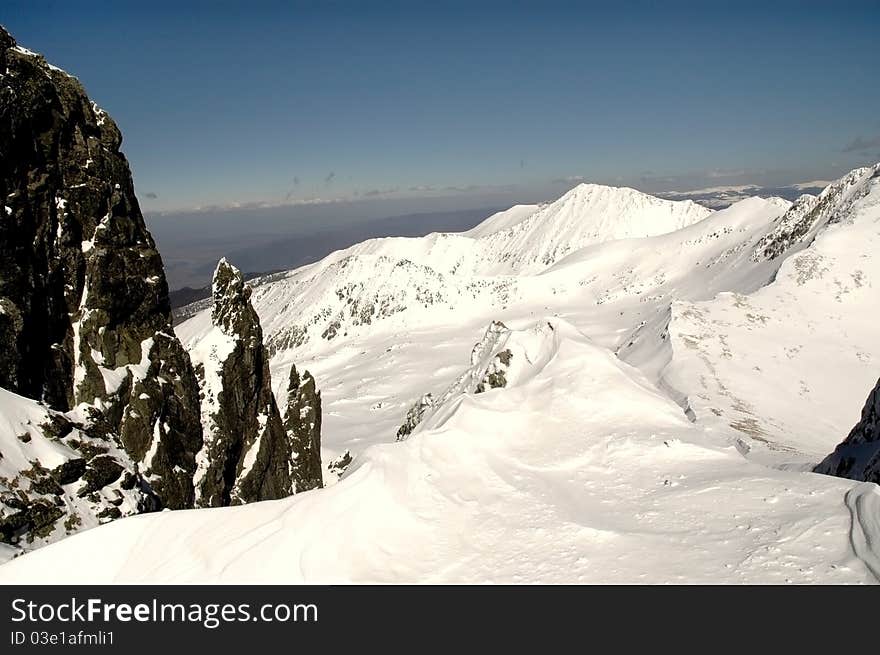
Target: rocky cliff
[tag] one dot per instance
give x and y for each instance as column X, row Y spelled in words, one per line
column 858, row 456
column 85, row 322
column 302, row 424
column 249, row 454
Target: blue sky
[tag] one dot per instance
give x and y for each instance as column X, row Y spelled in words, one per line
column 261, row 102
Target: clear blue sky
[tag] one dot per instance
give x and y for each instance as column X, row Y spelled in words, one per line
column 252, row 102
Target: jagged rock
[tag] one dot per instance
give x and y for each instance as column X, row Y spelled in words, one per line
column 39, row 504
column 414, row 416
column 800, row 224
column 858, row 456
column 101, row 471
column 337, row 466
column 494, row 376
column 70, row 471
column 85, row 321
column 302, row 423
column 490, row 361
column 246, row 456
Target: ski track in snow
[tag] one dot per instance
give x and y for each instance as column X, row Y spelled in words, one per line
column 863, row 502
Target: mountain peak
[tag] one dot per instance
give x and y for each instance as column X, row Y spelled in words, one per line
column 232, row 311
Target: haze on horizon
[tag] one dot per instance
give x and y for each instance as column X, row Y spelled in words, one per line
column 246, row 123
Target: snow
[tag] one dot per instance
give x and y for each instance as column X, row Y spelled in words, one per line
column 601, row 459
column 100, row 116
column 251, row 452
column 114, row 377
column 19, row 415
column 29, row 53
column 210, row 354
column 580, row 472
column 863, row 502
column 502, row 221
column 24, row 51
column 154, row 446
column 24, row 444
column 782, row 366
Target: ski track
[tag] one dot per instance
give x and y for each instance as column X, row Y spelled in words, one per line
column 863, row 502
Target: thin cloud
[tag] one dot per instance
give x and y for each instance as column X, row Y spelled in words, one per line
column 649, row 177
column 254, row 205
column 373, row 193
column 860, row 144
column 480, row 187
column 571, row 179
column 716, row 173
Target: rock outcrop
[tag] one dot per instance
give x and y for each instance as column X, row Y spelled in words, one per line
column 490, row 363
column 249, row 453
column 302, row 424
column 85, row 322
column 858, row 456
column 414, row 416
column 58, row 476
column 808, row 215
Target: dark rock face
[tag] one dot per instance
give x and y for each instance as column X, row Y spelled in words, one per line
column 414, row 416
column 246, row 456
column 85, row 320
column 302, row 423
column 858, row 456
column 88, row 356
column 494, row 377
column 339, row 465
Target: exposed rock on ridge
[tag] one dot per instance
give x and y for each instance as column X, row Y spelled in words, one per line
column 858, row 456
column 490, row 362
column 302, row 423
column 800, row 224
column 249, row 454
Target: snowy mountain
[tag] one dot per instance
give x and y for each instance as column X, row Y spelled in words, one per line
column 382, row 281
column 650, row 385
column 786, row 367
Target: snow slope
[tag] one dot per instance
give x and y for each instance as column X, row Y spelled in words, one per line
column 34, row 473
column 353, row 290
column 578, row 472
column 779, row 368
column 598, row 461
column 502, row 221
